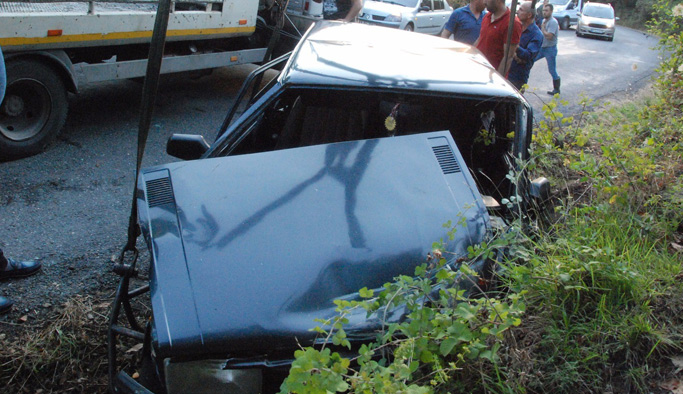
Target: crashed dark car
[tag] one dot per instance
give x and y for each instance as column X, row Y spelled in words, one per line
column 338, row 175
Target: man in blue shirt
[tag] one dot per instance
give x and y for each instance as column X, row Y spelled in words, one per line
column 465, row 22
column 529, row 45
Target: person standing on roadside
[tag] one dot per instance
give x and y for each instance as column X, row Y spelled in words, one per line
column 11, row 268
column 464, row 23
column 347, row 10
column 493, row 36
column 529, row 46
column 3, row 77
column 550, row 28
column 539, row 14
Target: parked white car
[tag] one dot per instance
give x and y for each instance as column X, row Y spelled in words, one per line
column 597, row 20
column 422, row 16
column 565, row 11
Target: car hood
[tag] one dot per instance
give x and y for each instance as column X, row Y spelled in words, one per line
column 379, row 8
column 591, row 19
column 248, row 250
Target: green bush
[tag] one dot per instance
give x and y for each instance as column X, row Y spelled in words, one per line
column 591, row 303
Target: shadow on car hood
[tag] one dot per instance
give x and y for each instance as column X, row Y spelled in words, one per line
column 248, row 250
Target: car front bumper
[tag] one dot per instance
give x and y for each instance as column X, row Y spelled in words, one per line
column 393, row 25
column 595, row 31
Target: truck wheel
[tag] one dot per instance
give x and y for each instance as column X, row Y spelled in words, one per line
column 33, row 111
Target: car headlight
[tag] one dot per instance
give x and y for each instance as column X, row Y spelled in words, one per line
column 210, row 376
column 610, row 24
column 393, row 18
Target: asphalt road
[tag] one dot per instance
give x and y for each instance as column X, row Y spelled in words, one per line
column 69, row 206
column 599, row 69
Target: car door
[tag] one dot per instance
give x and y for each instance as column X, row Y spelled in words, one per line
column 423, row 19
column 575, row 12
column 441, row 14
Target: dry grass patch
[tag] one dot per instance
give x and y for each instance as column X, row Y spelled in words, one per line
column 68, row 354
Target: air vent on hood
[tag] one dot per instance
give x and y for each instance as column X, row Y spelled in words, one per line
column 159, row 192
column 446, row 159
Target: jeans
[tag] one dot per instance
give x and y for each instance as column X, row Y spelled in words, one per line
column 549, row 53
column 3, row 77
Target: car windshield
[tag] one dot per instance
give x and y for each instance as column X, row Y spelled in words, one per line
column 405, row 3
column 311, row 116
column 599, row 12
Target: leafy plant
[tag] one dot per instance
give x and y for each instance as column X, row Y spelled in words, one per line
column 445, row 331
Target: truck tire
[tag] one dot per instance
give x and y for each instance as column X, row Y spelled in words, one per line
column 33, row 111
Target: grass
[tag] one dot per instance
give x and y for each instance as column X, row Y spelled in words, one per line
column 594, row 295
column 66, row 354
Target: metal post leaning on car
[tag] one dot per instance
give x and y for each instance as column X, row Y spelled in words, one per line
column 511, row 25
column 127, row 271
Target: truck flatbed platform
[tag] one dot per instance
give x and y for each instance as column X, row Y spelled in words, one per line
column 81, row 7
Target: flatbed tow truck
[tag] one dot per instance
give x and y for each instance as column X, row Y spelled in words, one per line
column 53, row 47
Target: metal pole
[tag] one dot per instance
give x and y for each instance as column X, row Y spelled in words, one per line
column 511, row 25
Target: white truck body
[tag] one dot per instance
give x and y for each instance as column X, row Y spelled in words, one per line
column 33, row 26
column 52, row 45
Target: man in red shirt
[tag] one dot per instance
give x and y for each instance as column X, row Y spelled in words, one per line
column 494, row 33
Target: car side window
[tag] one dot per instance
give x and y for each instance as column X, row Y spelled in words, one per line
column 438, row 5
column 426, row 3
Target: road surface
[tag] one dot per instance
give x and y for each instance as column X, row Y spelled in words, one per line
column 596, row 68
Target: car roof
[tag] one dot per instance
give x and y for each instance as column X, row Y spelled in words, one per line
column 338, row 54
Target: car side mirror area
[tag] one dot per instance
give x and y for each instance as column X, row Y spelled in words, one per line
column 424, row 8
column 616, row 18
column 540, row 189
column 539, row 204
column 186, row 146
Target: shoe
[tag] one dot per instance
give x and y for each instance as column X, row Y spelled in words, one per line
column 18, row 269
column 556, row 87
column 5, row 305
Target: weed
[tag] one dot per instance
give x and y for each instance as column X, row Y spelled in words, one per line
column 68, row 354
